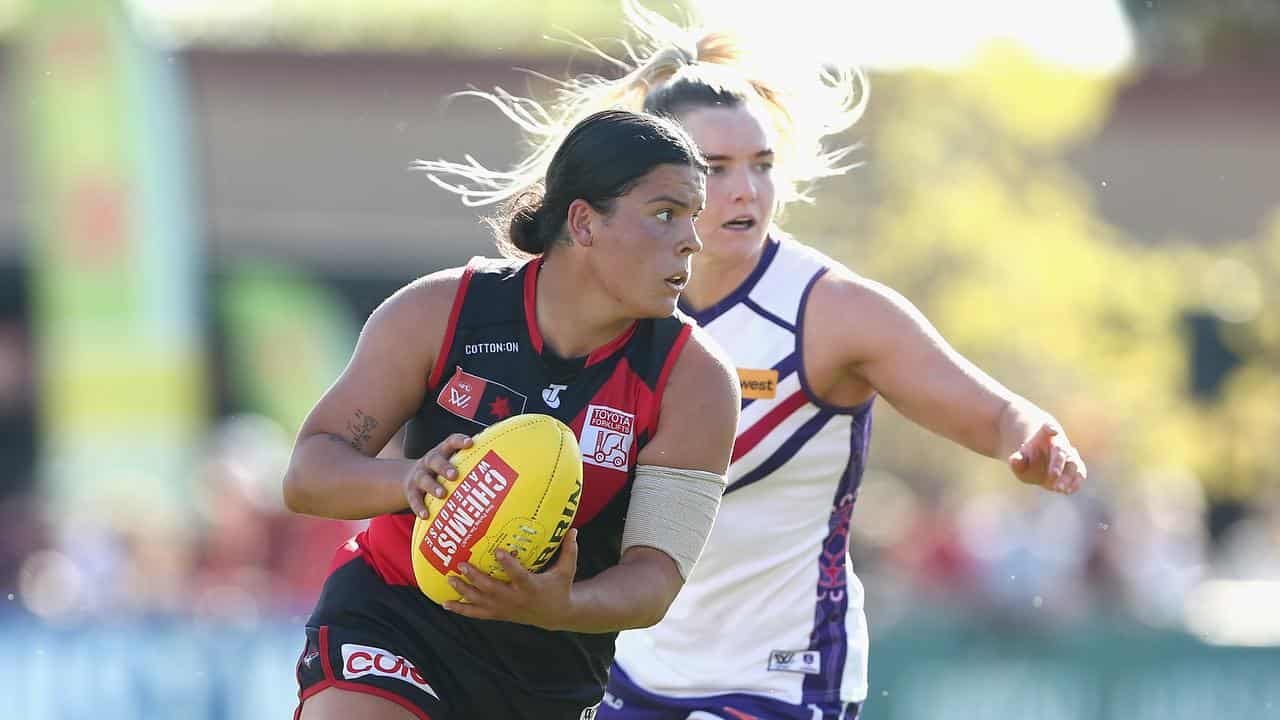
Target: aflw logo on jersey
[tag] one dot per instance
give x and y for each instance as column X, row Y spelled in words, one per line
column 467, row 513
column 479, row 400
column 607, row 435
column 808, row 662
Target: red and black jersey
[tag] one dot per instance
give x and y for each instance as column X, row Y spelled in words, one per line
column 493, row 364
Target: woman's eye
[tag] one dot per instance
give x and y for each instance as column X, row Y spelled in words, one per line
column 664, row 215
column 715, row 169
column 764, row 167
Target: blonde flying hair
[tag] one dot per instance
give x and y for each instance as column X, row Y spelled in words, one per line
column 806, row 102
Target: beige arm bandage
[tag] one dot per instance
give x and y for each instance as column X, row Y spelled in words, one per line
column 672, row 510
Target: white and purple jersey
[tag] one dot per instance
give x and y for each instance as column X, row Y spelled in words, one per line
column 772, row 607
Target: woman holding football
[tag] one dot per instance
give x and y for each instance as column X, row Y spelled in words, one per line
column 584, row 329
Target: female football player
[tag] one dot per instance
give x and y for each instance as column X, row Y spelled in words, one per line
column 586, row 331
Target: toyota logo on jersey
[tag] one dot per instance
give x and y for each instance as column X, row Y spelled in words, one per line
column 607, row 434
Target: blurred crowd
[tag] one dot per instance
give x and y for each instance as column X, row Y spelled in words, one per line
column 240, row 557
column 1147, row 548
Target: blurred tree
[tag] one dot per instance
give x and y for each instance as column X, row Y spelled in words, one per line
column 288, row 337
column 1211, row 359
column 1193, row 32
column 1240, row 285
column 978, row 219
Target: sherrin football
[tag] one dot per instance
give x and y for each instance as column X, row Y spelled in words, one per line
column 518, row 489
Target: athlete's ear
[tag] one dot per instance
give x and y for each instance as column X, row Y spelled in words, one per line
column 578, row 221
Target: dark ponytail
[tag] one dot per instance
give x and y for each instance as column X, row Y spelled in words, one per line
column 600, row 160
column 519, row 229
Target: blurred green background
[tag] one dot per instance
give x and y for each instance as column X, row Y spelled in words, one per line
column 201, row 201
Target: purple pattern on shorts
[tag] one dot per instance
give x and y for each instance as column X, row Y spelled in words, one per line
column 625, row 700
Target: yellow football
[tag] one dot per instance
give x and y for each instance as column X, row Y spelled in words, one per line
column 518, row 489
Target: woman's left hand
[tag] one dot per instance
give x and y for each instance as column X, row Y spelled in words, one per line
column 1049, row 460
column 540, row 599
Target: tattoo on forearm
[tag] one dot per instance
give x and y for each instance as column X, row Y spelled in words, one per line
column 361, row 427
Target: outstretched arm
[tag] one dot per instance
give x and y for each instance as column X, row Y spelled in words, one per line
column 902, row 356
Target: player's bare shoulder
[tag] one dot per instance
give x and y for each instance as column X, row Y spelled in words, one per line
column 856, row 315
column 416, row 317
column 699, row 408
column 711, row 363
column 841, row 290
column 422, row 300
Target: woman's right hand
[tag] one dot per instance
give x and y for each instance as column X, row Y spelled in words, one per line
column 422, row 478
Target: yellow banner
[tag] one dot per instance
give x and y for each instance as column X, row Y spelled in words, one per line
column 115, row 262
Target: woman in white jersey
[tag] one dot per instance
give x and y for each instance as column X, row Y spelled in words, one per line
column 770, row 623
